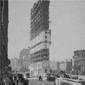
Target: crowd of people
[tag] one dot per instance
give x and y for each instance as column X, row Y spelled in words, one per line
column 13, row 79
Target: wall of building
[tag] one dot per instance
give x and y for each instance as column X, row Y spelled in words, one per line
column 39, row 17
column 4, row 61
column 66, row 66
column 79, row 62
column 24, row 59
column 40, row 34
column 63, row 66
column 43, row 36
column 42, row 41
column 53, row 65
column 69, row 66
column 15, row 64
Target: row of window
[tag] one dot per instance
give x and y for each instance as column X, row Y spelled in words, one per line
column 39, row 5
column 39, row 17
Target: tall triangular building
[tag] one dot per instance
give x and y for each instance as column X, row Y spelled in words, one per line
column 40, row 36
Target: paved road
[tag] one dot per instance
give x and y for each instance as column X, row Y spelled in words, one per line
column 58, row 82
column 37, row 82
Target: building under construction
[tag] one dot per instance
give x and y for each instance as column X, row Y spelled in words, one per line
column 39, row 17
column 40, row 35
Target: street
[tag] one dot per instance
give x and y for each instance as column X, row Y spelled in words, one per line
column 42, row 42
column 57, row 82
column 37, row 82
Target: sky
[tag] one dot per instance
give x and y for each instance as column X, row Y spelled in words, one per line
column 67, row 24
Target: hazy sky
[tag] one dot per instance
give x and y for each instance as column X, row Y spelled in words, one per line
column 67, row 25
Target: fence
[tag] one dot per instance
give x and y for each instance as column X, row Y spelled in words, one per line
column 62, row 81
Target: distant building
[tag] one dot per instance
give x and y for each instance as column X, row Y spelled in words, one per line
column 15, row 64
column 24, row 59
column 53, row 65
column 69, row 66
column 66, row 66
column 62, row 65
column 40, row 35
column 58, row 66
column 4, row 61
column 79, row 62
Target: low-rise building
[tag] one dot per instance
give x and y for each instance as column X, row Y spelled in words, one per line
column 24, row 59
column 15, row 64
column 69, row 66
column 66, row 66
column 53, row 65
column 79, row 62
column 62, row 66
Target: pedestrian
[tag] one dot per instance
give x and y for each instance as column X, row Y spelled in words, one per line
column 25, row 82
column 1, row 81
column 6, row 81
column 11, row 81
column 15, row 80
column 40, row 78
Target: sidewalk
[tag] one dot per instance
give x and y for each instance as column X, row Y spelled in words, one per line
column 82, row 77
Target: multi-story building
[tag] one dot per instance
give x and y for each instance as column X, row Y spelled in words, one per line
column 66, row 66
column 79, row 62
column 69, row 66
column 4, row 61
column 62, row 65
column 40, row 34
column 24, row 59
column 39, row 17
column 15, row 64
column 53, row 65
